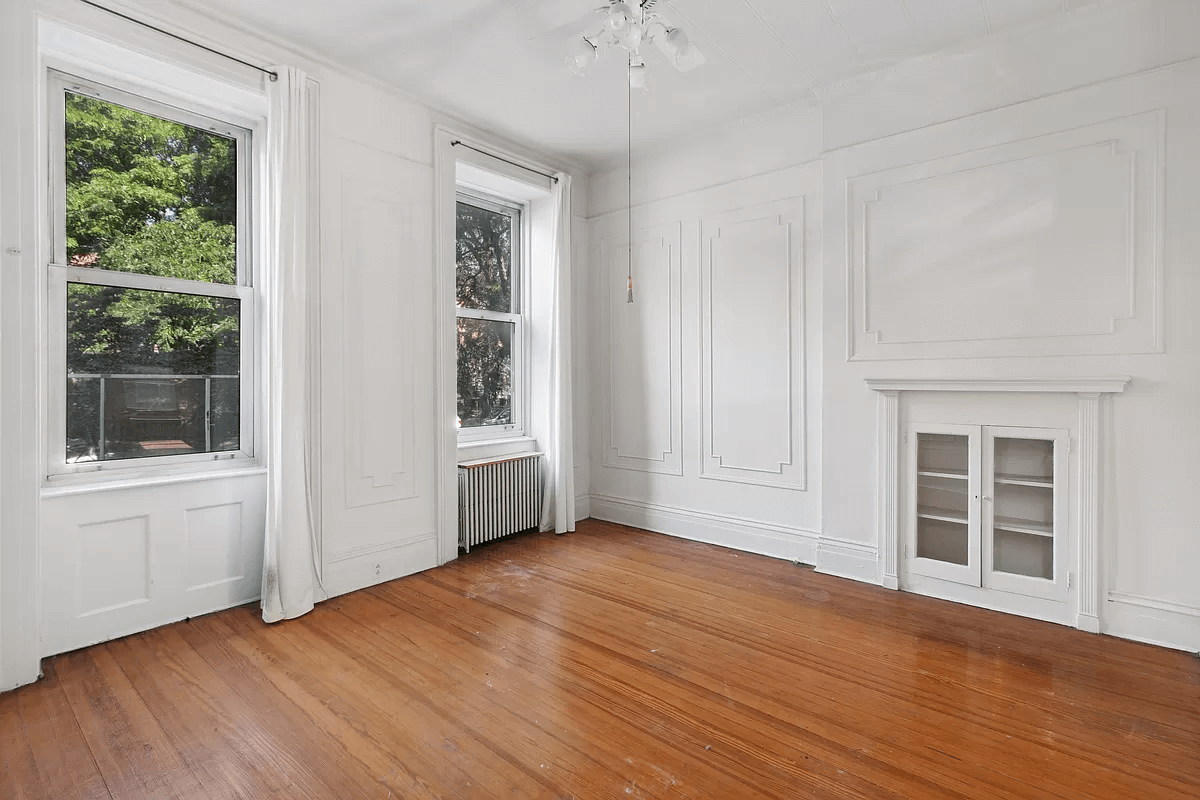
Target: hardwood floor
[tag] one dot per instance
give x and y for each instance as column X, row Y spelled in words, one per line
column 610, row 663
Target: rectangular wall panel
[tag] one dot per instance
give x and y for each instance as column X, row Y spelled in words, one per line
column 752, row 301
column 642, row 426
column 112, row 565
column 215, row 547
column 1044, row 246
column 378, row 351
column 378, row 388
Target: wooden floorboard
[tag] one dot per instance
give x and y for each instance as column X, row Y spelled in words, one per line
column 610, row 663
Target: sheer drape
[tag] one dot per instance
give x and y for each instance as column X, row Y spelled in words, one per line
column 291, row 582
column 558, row 506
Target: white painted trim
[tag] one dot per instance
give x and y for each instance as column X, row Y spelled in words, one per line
column 1158, row 605
column 445, row 195
column 1158, row 622
column 1058, row 384
column 845, row 558
column 371, row 549
column 445, row 192
column 160, row 479
column 1089, row 390
column 583, row 506
column 1088, row 513
column 362, row 567
column 888, row 455
column 737, row 533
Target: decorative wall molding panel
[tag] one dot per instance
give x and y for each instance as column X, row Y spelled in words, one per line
column 642, row 422
column 112, row 565
column 1088, row 441
column 752, row 345
column 216, row 545
column 983, row 253
column 379, row 226
column 378, row 414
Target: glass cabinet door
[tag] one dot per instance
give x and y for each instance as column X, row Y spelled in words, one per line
column 1024, row 515
column 944, row 523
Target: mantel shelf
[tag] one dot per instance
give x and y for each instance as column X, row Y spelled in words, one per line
column 1104, row 385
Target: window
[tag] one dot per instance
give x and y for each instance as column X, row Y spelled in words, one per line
column 490, row 324
column 151, row 310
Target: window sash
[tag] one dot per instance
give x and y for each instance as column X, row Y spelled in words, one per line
column 60, row 274
column 519, row 387
column 516, row 220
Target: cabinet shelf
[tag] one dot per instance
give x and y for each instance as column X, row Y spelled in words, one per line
column 942, row 514
column 1032, row 527
column 959, row 474
column 1024, row 480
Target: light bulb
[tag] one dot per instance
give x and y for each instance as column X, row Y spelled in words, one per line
column 619, row 16
column 582, row 56
column 630, row 37
column 677, row 42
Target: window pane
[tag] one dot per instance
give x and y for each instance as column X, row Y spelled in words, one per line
column 485, row 259
column 484, row 372
column 148, row 195
column 150, row 373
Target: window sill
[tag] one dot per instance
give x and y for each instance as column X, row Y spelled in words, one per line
column 495, row 448
column 68, row 485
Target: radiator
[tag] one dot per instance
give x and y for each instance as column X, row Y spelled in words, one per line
column 497, row 497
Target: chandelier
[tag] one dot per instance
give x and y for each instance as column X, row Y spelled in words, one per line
column 629, row 25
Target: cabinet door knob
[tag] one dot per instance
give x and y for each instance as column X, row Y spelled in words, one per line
column 985, row 497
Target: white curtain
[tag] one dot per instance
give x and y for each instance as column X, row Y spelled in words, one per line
column 558, row 506
column 291, row 576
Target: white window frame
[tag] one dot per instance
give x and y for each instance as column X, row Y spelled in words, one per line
column 60, row 274
column 520, row 357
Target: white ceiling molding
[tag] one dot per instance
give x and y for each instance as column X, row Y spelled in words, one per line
column 1106, row 385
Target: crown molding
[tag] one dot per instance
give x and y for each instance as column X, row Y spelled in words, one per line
column 1103, row 385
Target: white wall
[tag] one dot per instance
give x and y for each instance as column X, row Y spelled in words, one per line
column 375, row 277
column 936, row 180
column 707, row 387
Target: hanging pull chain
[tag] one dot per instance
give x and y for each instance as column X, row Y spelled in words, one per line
column 629, row 171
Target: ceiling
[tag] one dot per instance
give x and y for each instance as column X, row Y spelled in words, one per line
column 496, row 63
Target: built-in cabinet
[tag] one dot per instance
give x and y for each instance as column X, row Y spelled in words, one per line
column 987, row 507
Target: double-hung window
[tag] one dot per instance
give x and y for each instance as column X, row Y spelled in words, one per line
column 490, row 323
column 151, row 310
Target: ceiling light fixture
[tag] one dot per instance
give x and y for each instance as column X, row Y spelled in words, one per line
column 628, row 26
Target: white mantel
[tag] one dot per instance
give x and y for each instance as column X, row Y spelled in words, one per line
column 1089, row 390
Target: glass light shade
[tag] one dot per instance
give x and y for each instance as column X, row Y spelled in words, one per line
column 582, row 56
column 619, row 16
column 631, row 36
column 677, row 42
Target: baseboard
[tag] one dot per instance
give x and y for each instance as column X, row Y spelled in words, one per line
column 357, row 569
column 845, row 558
column 752, row 536
column 1153, row 621
column 583, row 506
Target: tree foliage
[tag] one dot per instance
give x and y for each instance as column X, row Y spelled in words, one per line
column 155, row 197
column 485, row 282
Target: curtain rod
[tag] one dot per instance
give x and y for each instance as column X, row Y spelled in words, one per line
column 264, row 70
column 457, row 143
